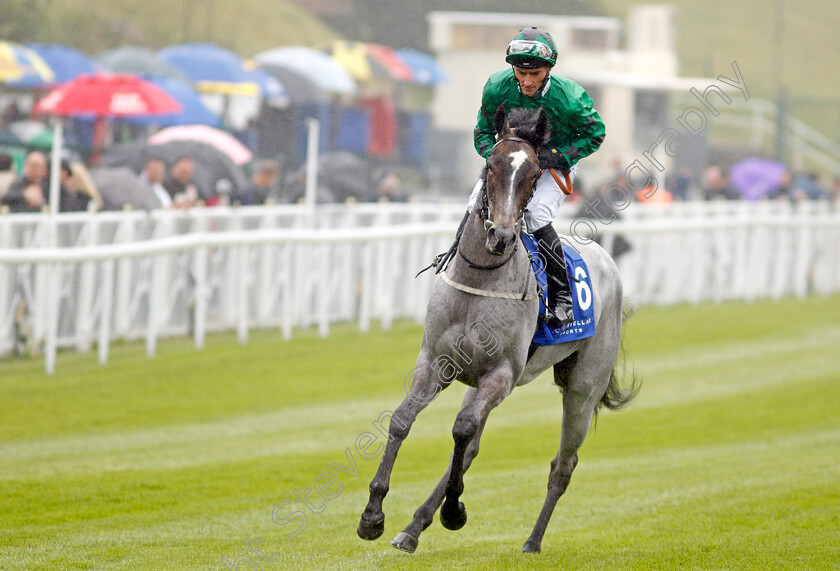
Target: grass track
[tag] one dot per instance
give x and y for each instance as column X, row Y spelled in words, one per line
column 727, row 459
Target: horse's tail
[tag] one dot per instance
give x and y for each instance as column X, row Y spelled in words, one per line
column 623, row 386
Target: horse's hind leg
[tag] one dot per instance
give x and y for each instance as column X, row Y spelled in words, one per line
column 408, row 538
column 424, row 388
column 579, row 402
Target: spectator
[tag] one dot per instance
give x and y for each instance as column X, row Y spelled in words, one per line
column 7, row 173
column 27, row 193
column 388, row 189
column 69, row 200
column 806, row 187
column 154, row 173
column 679, row 183
column 263, row 184
column 179, row 183
column 82, row 184
column 785, row 188
column 716, row 185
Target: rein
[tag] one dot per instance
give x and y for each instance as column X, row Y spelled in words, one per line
column 489, row 266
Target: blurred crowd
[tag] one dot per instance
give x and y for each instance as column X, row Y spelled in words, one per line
column 750, row 180
column 172, row 184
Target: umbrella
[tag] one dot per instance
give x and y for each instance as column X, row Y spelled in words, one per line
column 101, row 96
column 300, row 88
column 341, row 174
column 317, row 66
column 66, row 63
column 222, row 141
column 139, row 61
column 424, row 67
column 120, row 186
column 107, row 95
column 366, row 62
column 22, row 67
column 193, row 112
column 212, row 69
column 756, row 178
column 29, row 133
column 396, row 67
column 211, row 165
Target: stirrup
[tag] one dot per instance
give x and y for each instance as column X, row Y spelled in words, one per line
column 553, row 320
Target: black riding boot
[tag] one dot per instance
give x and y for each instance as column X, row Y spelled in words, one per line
column 442, row 260
column 559, row 310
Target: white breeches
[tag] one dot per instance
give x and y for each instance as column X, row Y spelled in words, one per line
column 543, row 206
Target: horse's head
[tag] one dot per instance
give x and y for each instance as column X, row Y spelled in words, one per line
column 511, row 173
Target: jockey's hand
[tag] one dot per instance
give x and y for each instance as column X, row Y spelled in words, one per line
column 552, row 159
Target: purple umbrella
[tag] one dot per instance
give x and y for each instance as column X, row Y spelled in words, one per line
column 756, row 178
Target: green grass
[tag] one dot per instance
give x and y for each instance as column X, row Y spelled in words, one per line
column 726, row 460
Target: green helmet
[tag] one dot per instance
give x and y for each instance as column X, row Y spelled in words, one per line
column 532, row 47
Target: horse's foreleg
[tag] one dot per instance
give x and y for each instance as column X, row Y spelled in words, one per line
column 424, row 388
column 578, row 408
column 492, row 390
column 408, row 538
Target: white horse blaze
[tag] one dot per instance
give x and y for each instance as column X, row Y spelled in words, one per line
column 517, row 159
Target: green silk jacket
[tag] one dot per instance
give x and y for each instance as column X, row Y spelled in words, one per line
column 576, row 128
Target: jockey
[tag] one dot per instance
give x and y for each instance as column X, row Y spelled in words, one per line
column 576, row 132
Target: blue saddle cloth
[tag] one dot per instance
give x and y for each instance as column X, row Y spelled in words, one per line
column 582, row 306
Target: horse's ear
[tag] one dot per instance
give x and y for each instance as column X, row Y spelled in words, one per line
column 501, row 123
column 541, row 130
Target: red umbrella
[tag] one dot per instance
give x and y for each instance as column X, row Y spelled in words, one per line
column 107, row 95
column 101, row 95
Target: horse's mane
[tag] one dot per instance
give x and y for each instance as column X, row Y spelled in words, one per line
column 524, row 122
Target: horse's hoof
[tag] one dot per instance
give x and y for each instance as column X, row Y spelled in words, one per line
column 453, row 520
column 371, row 530
column 531, row 547
column 405, row 542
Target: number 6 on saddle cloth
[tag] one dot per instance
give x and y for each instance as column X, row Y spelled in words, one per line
column 584, row 324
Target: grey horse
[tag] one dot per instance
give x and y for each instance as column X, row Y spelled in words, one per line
column 478, row 330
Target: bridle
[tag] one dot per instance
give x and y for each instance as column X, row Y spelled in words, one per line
column 484, row 209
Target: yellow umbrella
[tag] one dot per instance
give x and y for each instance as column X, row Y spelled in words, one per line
column 353, row 57
column 9, row 70
column 23, row 66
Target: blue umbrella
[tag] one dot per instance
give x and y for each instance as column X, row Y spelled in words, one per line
column 212, row 69
column 66, row 63
column 424, row 67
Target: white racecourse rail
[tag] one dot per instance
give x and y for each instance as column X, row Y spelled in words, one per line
column 81, row 279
